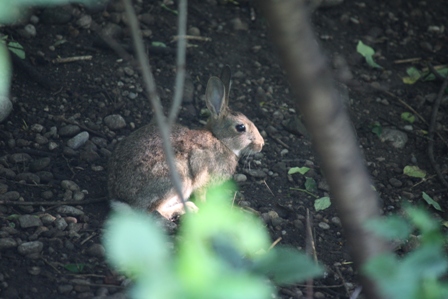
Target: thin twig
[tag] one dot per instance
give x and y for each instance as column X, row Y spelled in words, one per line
column 180, row 74
column 51, row 265
column 431, row 131
column 151, row 88
column 72, row 59
column 192, row 37
column 435, row 72
column 275, row 243
column 310, row 250
column 343, row 280
column 54, row 203
column 304, row 191
column 279, row 141
column 88, row 238
column 267, row 186
column 407, row 60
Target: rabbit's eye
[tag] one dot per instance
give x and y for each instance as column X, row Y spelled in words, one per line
column 240, row 128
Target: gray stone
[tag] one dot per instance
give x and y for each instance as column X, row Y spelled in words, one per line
column 78, row 195
column 96, row 250
column 336, row 220
column 47, row 194
column 10, row 196
column 28, row 177
column 194, row 31
column 30, row 248
column 47, row 219
column 7, row 173
column 395, row 182
column 69, row 210
column 26, row 221
column 100, row 142
column 19, row 158
column 7, row 243
column 45, row 176
column 41, row 140
column 324, row 225
column 52, row 145
column 397, row 138
column 70, row 185
column 239, row 177
column 84, row 22
column 114, row 122
column 60, row 224
column 69, row 152
column 69, row 130
column 78, row 141
column 37, row 128
column 256, row 173
column 89, row 156
column 238, row 24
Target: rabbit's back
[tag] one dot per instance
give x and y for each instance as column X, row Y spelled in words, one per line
column 139, row 173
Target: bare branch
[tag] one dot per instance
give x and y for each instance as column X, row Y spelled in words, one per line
column 330, row 128
column 180, row 72
column 150, row 86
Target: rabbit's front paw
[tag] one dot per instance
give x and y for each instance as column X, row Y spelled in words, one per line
column 172, row 212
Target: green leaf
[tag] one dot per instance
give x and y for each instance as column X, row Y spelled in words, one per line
column 17, row 49
column 169, row 9
column 322, row 203
column 368, row 53
column 301, row 170
column 414, row 171
column 377, row 129
column 286, row 265
column 394, row 283
column 408, row 116
column 413, row 75
column 75, row 268
column 431, row 202
column 135, row 243
column 222, row 236
column 158, row 44
column 310, row 185
column 5, row 74
column 391, row 228
column 431, row 77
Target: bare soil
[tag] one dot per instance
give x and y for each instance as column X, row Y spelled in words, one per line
column 403, row 34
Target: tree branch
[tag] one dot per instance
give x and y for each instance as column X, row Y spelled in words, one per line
column 330, row 128
column 150, row 85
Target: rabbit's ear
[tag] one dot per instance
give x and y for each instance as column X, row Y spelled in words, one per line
column 226, row 78
column 215, row 96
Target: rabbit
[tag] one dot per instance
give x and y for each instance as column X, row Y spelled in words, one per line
column 139, row 174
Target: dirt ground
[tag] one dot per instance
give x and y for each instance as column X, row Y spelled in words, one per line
column 53, row 102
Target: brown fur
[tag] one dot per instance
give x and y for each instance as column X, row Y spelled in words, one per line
column 139, row 174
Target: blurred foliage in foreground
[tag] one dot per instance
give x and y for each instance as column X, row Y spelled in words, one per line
column 419, row 274
column 221, row 252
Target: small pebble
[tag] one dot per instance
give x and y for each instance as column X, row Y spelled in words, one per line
column 26, row 221
column 239, row 178
column 28, row 248
column 324, row 225
column 78, row 141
